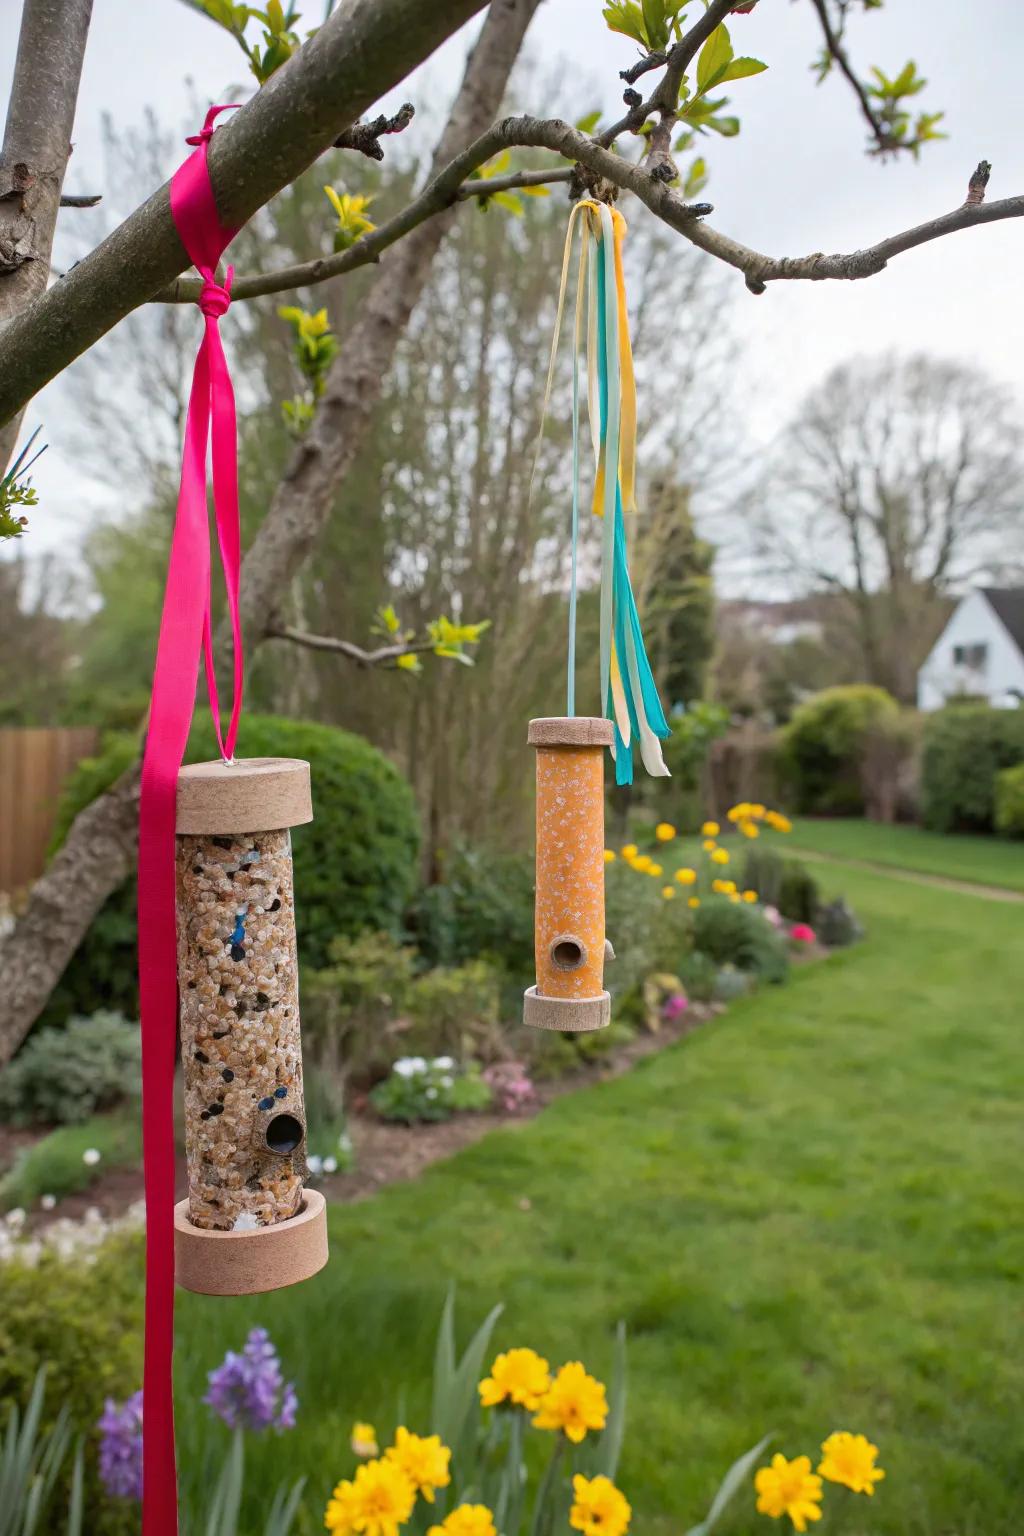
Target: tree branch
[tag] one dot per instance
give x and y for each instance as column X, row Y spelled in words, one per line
column 80, row 200
column 365, row 137
column 381, row 656
column 884, row 141
column 364, row 49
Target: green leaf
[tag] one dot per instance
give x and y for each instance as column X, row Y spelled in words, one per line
column 696, row 178
column 729, row 1486
column 714, row 60
column 588, row 123
column 625, row 16
column 740, row 68
column 535, row 191
column 509, row 201
column 609, row 1446
column 655, row 23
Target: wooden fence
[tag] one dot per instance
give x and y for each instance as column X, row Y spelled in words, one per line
column 33, row 767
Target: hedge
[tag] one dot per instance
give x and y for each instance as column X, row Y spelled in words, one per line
column 821, row 749
column 965, row 747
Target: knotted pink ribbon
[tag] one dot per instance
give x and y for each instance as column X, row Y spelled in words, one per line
column 185, row 630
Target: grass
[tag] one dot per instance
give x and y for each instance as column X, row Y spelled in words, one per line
column 54, row 1165
column 955, row 856
column 807, row 1214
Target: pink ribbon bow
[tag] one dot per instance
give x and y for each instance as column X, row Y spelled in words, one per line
column 185, row 629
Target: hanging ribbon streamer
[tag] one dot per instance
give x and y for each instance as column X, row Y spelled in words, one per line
column 629, row 695
column 185, row 631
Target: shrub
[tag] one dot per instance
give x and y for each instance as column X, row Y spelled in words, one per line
column 965, row 747
column 838, row 924
column 62, row 1076
column 355, row 863
column 453, row 1011
column 422, row 1089
column 763, row 870
column 730, row 984
column 889, row 766
column 799, row 894
column 698, row 972
column 736, row 933
column 1009, row 816
column 822, row 747
column 483, row 908
column 58, row 1166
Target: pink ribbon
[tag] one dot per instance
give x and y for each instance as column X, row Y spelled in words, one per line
column 185, row 630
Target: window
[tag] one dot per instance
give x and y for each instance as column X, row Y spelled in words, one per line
column 973, row 657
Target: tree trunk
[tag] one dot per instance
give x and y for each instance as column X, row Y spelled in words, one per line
column 37, row 144
column 100, row 846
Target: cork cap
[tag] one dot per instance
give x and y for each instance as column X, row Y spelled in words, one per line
column 571, row 731
column 253, row 794
column 248, row 1263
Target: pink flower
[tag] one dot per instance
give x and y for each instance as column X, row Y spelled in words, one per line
column 510, row 1083
column 773, row 916
column 674, row 1006
column 802, row 933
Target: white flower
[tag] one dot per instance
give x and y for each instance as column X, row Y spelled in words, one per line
column 91, row 1156
column 447, row 1081
column 409, row 1066
column 16, row 1219
column 431, row 1093
column 444, row 1063
column 48, row 1202
column 345, row 1141
column 330, row 1165
column 315, row 1164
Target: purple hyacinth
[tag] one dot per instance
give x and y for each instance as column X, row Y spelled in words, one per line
column 121, row 1448
column 248, row 1390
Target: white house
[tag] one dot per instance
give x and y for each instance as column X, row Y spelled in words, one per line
column 980, row 651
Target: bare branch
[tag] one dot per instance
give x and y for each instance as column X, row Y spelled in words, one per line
column 884, row 142
column 382, row 656
column 366, row 137
column 78, row 200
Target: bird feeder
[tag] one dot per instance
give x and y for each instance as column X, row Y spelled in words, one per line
column 569, row 937
column 248, row 1224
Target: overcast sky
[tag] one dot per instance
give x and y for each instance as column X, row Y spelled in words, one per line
column 796, row 180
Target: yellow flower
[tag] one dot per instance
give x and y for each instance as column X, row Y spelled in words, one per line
column 739, row 812
column 664, row 831
column 423, row 1459
column 850, row 1460
column 756, row 811
column 749, row 895
column 779, row 822
column 364, row 1440
column 694, row 902
column 720, row 856
column 709, row 845
column 749, row 828
column 710, row 829
column 643, row 862
column 734, row 895
column 724, row 887
column 352, row 221
column 466, row 1520
column 654, row 869
column 686, row 876
column 598, row 1509
column 575, row 1403
column 378, row 1500
column 409, row 662
column 789, row 1488
column 609, row 855
column 668, row 892
column 518, row 1376
column 630, row 851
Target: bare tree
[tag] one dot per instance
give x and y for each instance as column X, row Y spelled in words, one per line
column 898, row 479
column 363, row 49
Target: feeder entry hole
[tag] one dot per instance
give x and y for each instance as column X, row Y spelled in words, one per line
column 568, row 954
column 284, row 1134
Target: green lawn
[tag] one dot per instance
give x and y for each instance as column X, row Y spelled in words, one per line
column 808, row 1214
column 957, row 856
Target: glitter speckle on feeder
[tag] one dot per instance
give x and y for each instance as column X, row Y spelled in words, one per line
column 280, row 1093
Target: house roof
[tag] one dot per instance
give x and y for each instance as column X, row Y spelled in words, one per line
column 1008, row 603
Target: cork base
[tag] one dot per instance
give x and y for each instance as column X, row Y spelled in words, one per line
column 247, row 1263
column 567, row 1015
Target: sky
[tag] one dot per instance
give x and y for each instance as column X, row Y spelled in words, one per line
column 797, row 180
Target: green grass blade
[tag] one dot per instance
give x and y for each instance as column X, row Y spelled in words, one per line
column 77, row 1500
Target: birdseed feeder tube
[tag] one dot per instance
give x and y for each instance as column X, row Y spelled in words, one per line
column 248, row 1223
column 569, row 938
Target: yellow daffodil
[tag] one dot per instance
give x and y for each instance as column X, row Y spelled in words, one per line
column 519, row 1376
column 710, row 829
column 630, row 851
column 668, row 892
column 364, row 1440
column 686, row 876
column 778, row 822
column 720, row 856
column 609, row 855
column 575, row 1403
column 664, row 831
column 720, row 887
column 749, row 895
column 757, row 811
column 466, row 1520
column 654, row 869
column 850, row 1460
column 709, row 845
column 376, row 1502
column 694, row 902
column 598, row 1508
column 423, row 1459
column 734, row 895
column 739, row 812
column 789, row 1488
column 409, row 662
column 749, row 828
column 643, row 862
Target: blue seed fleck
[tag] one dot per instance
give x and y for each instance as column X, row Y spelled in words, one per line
column 265, row 1104
column 280, row 1093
